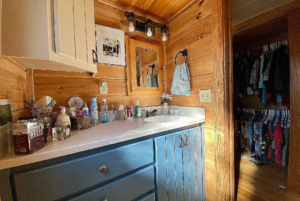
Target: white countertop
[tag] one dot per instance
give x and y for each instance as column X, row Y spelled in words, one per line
column 96, row 137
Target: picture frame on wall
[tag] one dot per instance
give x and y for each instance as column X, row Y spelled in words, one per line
column 110, row 46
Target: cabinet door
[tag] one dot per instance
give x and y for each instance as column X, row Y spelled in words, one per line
column 90, row 29
column 64, row 27
column 74, row 27
column 180, row 165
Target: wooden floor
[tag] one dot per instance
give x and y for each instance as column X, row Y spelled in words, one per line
column 260, row 183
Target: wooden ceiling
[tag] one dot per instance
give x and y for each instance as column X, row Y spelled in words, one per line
column 158, row 10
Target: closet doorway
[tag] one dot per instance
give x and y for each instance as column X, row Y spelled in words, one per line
column 266, row 76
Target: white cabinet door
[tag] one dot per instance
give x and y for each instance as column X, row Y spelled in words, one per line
column 90, row 29
column 64, row 27
column 80, row 30
column 74, row 26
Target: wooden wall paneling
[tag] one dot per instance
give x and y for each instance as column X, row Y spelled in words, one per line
column 266, row 16
column 223, row 97
column 14, row 86
column 30, row 84
column 191, row 34
column 123, row 6
column 196, row 13
column 294, row 45
column 115, row 18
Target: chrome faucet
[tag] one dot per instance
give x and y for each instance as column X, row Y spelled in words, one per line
column 152, row 113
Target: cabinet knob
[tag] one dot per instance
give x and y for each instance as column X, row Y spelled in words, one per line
column 105, row 199
column 186, row 140
column 103, row 168
column 181, row 141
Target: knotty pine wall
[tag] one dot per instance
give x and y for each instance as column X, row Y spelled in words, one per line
column 13, row 85
column 193, row 31
column 63, row 85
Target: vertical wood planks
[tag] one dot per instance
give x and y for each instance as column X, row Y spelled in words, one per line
column 161, row 176
column 186, row 165
column 200, row 170
column 171, row 167
column 179, row 168
column 193, row 168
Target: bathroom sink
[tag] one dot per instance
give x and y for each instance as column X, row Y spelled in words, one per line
column 165, row 119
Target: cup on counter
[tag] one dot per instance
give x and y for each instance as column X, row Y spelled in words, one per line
column 171, row 112
column 176, row 112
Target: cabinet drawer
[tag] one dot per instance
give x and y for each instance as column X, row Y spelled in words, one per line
column 64, row 179
column 150, row 197
column 125, row 189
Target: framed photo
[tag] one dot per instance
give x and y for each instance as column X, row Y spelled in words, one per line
column 111, row 46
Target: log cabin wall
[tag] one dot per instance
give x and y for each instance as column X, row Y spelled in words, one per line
column 63, row 85
column 192, row 31
column 13, row 84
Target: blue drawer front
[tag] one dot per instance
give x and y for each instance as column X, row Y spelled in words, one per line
column 125, row 189
column 150, row 197
column 64, row 179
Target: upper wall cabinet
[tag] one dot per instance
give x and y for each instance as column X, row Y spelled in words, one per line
column 50, row 34
column 146, row 68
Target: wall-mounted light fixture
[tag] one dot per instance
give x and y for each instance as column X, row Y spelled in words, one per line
column 164, row 30
column 139, row 23
column 132, row 22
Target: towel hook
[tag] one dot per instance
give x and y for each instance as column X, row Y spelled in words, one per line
column 184, row 53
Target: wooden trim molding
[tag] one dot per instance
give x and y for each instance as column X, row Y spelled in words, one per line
column 223, row 99
column 266, row 16
column 294, row 46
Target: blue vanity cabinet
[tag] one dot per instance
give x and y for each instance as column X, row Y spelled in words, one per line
column 180, row 165
column 60, row 180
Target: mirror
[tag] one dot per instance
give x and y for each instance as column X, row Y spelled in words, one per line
column 145, row 73
column 147, row 67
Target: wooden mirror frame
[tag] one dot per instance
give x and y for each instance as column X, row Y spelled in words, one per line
column 133, row 89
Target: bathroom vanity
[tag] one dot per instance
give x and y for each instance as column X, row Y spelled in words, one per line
column 129, row 160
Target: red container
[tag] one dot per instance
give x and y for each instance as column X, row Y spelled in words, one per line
column 28, row 137
column 129, row 109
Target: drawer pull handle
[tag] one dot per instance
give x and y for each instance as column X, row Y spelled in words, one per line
column 186, row 140
column 181, row 141
column 103, row 168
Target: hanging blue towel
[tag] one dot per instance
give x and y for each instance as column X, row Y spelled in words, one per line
column 181, row 84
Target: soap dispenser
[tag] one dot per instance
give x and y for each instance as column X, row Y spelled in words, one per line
column 85, row 109
column 64, row 123
column 137, row 110
column 63, row 118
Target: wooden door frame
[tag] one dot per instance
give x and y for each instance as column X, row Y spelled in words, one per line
column 223, row 99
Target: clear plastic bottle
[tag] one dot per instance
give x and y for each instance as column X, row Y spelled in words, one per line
column 137, row 110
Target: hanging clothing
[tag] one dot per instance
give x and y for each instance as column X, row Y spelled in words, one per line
column 181, row 84
column 151, row 81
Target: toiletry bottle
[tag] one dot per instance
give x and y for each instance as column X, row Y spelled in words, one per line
column 85, row 109
column 137, row 110
column 104, row 111
column 113, row 116
column 63, row 118
column 94, row 111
